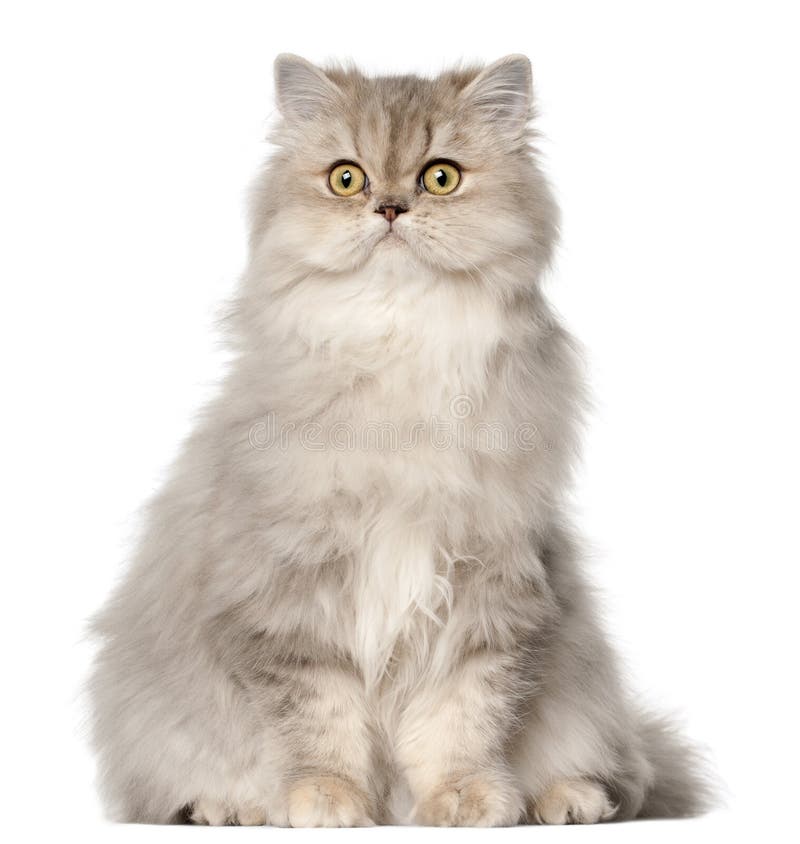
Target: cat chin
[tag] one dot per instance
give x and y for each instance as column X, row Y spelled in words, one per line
column 393, row 250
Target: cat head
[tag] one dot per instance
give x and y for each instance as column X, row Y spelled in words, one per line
column 434, row 173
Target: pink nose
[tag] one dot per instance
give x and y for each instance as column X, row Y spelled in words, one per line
column 391, row 211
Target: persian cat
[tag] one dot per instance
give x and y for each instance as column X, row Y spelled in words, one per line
column 357, row 599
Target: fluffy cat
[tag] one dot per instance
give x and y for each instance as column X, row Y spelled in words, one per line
column 357, row 599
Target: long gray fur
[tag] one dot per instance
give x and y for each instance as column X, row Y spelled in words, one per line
column 336, row 614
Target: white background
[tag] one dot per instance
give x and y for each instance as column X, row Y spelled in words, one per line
column 130, row 132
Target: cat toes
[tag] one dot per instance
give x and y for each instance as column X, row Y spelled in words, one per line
column 474, row 800
column 209, row 813
column 326, row 801
column 214, row 813
column 573, row 801
column 251, row 816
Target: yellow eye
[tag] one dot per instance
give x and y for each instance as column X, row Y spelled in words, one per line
column 347, row 179
column 440, row 178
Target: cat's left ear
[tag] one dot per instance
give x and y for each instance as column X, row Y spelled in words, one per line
column 503, row 93
column 302, row 89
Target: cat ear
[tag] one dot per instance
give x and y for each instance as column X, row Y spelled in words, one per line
column 303, row 91
column 502, row 93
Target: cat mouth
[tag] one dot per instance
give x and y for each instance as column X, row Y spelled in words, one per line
column 385, row 241
column 392, row 235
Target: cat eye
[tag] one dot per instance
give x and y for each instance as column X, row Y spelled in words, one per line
column 347, row 179
column 440, row 178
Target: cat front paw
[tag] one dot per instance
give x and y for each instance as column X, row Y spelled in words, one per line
column 326, row 801
column 472, row 800
column 215, row 813
column 574, row 801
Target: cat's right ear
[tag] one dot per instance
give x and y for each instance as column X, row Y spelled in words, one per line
column 303, row 90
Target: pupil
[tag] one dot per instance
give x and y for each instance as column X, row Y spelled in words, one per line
column 347, row 177
column 441, row 178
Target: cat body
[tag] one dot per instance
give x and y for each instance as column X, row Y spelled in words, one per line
column 357, row 598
